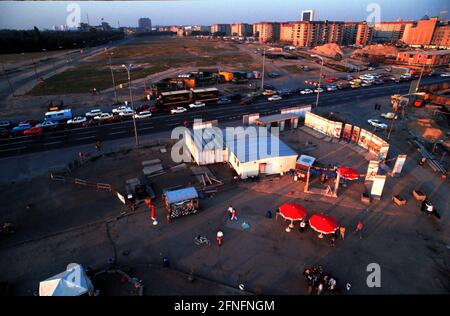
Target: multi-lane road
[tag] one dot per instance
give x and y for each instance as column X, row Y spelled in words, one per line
column 164, row 121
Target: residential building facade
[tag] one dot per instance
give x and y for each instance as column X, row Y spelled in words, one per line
column 241, row 29
column 420, row 32
column 424, row 58
column 267, row 31
column 389, row 32
column 222, row 28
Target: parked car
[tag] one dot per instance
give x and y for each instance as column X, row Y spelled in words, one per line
column 306, row 91
column 366, row 84
column 34, row 131
column 197, row 104
column 318, row 90
column 47, row 124
column 355, row 86
column 21, row 127
column 378, row 81
column 77, row 120
column 176, row 110
column 127, row 113
column 143, row 114
column 93, row 113
column 389, row 116
column 121, row 109
column 377, row 124
column 224, row 101
column 274, row 98
column 103, row 116
column 331, row 88
column 395, row 79
column 269, row 92
column 445, row 74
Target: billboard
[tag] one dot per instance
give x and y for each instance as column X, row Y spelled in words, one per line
column 301, row 110
column 378, row 186
column 372, row 170
column 347, row 134
column 399, row 163
column 323, row 125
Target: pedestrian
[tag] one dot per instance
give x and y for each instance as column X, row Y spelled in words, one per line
column 233, row 215
column 342, row 232
column 219, row 237
column 332, row 240
column 359, row 228
column 230, row 211
column 302, row 226
column 422, row 161
column 98, row 145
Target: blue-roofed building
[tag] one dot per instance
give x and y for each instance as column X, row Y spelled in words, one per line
column 251, row 150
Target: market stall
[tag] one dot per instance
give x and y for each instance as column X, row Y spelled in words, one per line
column 291, row 211
column 181, row 202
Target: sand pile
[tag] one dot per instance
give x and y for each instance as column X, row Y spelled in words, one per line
column 329, row 50
column 374, row 50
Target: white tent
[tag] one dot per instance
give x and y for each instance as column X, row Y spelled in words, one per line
column 72, row 282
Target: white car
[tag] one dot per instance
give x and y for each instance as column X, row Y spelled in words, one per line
column 445, row 74
column 46, row 124
column 93, row 113
column 306, row 91
column 121, row 109
column 389, row 116
column 126, row 113
column 318, row 90
column 331, row 88
column 103, row 116
column 377, row 124
column 197, row 104
column 143, row 114
column 77, row 120
column 366, row 84
column 274, row 98
column 179, row 109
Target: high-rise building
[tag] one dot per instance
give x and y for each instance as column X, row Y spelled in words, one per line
column 222, row 28
column 310, row 34
column 307, row 15
column 267, row 31
column 349, row 31
column 363, row 34
column 441, row 37
column 420, row 32
column 241, row 29
column 389, row 32
column 287, row 32
column 145, row 23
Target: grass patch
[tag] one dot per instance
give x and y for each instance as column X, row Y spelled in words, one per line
column 84, row 78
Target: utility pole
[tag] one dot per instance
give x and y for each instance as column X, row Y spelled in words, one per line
column 132, row 103
column 263, row 69
column 320, row 78
column 7, row 78
column 112, row 76
column 420, row 78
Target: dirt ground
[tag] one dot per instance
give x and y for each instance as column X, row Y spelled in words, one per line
column 68, row 223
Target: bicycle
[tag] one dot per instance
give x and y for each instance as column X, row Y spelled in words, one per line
column 202, row 240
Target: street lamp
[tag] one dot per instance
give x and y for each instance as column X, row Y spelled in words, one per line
column 132, row 104
column 320, row 78
column 263, row 69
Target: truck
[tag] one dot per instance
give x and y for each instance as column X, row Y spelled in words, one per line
column 209, row 95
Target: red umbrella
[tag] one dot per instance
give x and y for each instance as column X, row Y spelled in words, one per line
column 348, row 173
column 292, row 211
column 323, row 224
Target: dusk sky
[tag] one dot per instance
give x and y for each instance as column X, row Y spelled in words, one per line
column 43, row 14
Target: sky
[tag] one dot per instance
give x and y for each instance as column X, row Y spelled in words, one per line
column 45, row 14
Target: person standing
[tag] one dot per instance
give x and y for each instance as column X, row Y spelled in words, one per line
column 233, row 215
column 219, row 238
column 342, row 232
column 302, row 226
column 230, row 211
column 98, row 145
column 359, row 228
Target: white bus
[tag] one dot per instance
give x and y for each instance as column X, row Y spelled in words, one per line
column 57, row 116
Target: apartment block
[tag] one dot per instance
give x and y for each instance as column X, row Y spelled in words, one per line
column 420, row 32
column 349, row 30
column 363, row 34
column 222, row 28
column 310, row 34
column 287, row 32
column 389, row 32
column 425, row 58
column 241, row 29
column 441, row 37
column 267, row 31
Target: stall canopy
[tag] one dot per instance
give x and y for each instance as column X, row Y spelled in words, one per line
column 323, row 224
column 306, row 160
column 348, row 173
column 292, row 211
column 181, row 195
column 72, row 282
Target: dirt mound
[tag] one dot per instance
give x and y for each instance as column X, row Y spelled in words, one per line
column 374, row 50
column 427, row 129
column 329, row 50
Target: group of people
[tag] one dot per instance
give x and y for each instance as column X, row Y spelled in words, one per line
column 232, row 216
column 319, row 281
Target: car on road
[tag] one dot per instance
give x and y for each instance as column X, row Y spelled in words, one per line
column 93, row 113
column 355, row 86
column 47, row 124
column 306, row 91
column 5, row 124
column 126, row 113
column 34, row 131
column 366, row 84
column 142, row 115
column 394, row 79
column 176, row 110
column 224, row 101
column 331, row 88
column 269, row 92
column 389, row 116
column 21, row 127
column 273, row 75
column 103, row 116
column 121, row 109
column 197, row 104
column 377, row 124
column 378, row 81
column 318, row 90
column 77, row 120
column 445, row 74
column 274, row 98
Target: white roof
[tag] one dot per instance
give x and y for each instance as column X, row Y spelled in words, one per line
column 306, row 160
column 72, row 282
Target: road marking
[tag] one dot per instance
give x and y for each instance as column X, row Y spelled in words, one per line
column 12, row 143
column 56, row 136
column 87, row 137
column 121, row 132
column 11, row 149
column 145, row 128
column 52, row 143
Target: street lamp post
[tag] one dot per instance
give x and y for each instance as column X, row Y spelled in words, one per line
column 112, row 76
column 420, row 78
column 263, row 69
column 132, row 103
column 320, row 78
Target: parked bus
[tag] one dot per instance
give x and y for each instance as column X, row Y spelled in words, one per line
column 205, row 95
column 58, row 116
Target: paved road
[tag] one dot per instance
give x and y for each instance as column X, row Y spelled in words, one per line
column 163, row 121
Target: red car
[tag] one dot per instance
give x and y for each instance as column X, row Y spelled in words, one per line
column 34, row 131
column 330, row 79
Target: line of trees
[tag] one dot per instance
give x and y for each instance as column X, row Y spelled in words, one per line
column 25, row 41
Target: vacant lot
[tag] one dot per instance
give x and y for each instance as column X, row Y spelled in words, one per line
column 150, row 56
